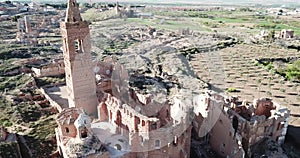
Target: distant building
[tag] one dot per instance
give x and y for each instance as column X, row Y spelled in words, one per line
column 24, row 9
column 25, row 33
column 49, row 9
column 54, row 68
column 286, row 34
column 143, row 15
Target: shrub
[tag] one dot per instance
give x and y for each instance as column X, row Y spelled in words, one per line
column 266, row 26
column 231, row 89
column 293, row 71
column 8, row 150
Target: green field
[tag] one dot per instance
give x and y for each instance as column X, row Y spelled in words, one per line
column 169, row 24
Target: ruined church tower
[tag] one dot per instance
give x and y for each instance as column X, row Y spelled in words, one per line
column 81, row 85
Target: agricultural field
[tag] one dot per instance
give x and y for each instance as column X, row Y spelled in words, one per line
column 237, row 71
column 23, row 109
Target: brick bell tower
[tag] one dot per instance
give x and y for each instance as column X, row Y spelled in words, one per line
column 80, row 79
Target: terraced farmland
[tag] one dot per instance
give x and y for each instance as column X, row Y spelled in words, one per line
column 236, row 68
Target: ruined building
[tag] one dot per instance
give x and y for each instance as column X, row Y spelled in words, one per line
column 53, row 68
column 286, row 34
column 25, row 32
column 123, row 12
column 113, row 114
column 233, row 127
column 74, row 135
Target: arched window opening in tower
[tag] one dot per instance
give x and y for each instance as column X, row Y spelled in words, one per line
column 78, row 46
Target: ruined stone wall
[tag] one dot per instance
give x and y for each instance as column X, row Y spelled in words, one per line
column 102, row 112
column 68, row 130
column 201, row 109
column 231, row 125
column 251, row 132
column 74, row 136
column 122, row 114
column 259, row 127
column 27, row 24
column 179, row 148
column 207, row 111
column 51, row 101
column 25, row 33
column 146, row 134
column 60, row 141
column 223, row 138
column 53, row 69
column 280, row 124
column 263, row 106
column 213, row 120
column 103, row 71
column 65, row 121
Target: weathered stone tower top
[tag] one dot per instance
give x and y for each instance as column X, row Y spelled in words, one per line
column 73, row 13
column 73, row 18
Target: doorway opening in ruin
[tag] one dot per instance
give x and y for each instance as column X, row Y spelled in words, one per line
column 119, row 119
column 235, row 124
column 126, row 132
column 105, row 110
column 168, row 114
column 157, row 143
column 137, row 121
